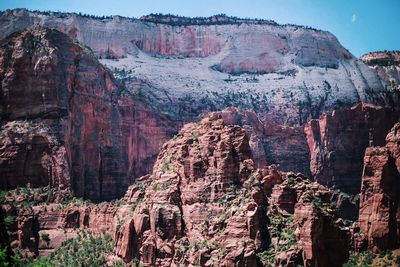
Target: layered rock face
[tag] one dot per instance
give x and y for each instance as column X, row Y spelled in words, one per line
column 321, row 239
column 206, row 205
column 337, row 142
column 66, row 121
column 386, row 65
column 59, row 223
column 379, row 199
column 221, row 59
column 272, row 143
column 184, row 218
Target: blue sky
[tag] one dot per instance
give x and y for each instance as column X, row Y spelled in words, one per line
column 360, row 25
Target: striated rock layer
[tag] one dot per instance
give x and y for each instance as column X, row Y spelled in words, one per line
column 386, row 64
column 272, row 143
column 379, row 216
column 337, row 142
column 292, row 72
column 66, row 121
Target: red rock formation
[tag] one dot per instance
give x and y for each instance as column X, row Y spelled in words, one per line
column 320, row 238
column 323, row 241
column 380, row 195
column 204, row 204
column 393, row 144
column 271, row 142
column 337, row 142
column 194, row 177
column 67, row 121
column 202, row 193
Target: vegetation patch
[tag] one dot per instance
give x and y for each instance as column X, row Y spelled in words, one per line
column 282, row 228
column 386, row 258
column 84, row 250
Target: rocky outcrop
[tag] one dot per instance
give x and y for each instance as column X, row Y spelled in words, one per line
column 337, row 142
column 379, row 198
column 66, row 121
column 324, row 241
column 206, row 204
column 196, row 210
column 393, row 144
column 304, row 227
column 42, row 228
column 386, row 64
column 270, row 142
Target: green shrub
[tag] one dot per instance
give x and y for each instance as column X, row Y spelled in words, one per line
column 267, row 257
column 368, row 258
column 3, row 194
column 397, row 260
column 9, row 220
column 84, row 250
column 13, row 261
column 136, row 203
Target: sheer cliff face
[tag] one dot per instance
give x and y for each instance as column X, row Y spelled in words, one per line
column 292, row 72
column 379, row 216
column 66, row 121
column 337, row 142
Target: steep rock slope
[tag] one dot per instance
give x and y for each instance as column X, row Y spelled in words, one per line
column 337, row 142
column 67, row 122
column 379, row 216
column 272, row 143
column 292, row 72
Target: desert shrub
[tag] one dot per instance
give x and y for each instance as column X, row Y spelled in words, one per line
column 136, row 203
column 6, row 261
column 9, row 220
column 84, row 250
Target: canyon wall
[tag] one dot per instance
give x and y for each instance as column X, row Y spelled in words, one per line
column 379, row 216
column 291, row 72
column 66, row 121
column 337, row 142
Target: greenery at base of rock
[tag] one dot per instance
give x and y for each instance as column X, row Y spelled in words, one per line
column 13, row 261
column 282, row 229
column 84, row 250
column 386, row 258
